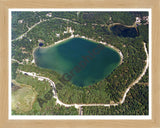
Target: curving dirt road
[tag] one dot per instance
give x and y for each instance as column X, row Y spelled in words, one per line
column 80, row 105
column 54, row 86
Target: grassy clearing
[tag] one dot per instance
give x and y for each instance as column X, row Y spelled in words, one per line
column 23, row 97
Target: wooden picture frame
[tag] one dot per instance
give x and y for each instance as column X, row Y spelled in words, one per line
column 4, row 71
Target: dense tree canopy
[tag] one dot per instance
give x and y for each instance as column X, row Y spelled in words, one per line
column 93, row 25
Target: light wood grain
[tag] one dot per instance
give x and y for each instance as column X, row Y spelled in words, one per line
column 6, row 4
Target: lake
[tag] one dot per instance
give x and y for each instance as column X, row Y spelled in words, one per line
column 81, row 61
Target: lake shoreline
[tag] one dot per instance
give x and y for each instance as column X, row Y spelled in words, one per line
column 83, row 37
column 108, row 45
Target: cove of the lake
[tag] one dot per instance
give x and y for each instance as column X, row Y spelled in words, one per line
column 80, row 61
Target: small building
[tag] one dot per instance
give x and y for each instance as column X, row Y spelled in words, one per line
column 69, row 29
column 49, row 14
column 20, row 21
column 146, row 18
column 57, row 34
column 65, row 32
column 110, row 18
column 138, row 20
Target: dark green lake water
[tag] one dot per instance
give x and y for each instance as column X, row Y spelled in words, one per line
column 123, row 31
column 78, row 60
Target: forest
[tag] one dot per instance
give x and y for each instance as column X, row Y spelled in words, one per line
column 92, row 25
column 136, row 103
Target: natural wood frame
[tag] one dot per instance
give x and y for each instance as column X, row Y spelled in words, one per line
column 6, row 4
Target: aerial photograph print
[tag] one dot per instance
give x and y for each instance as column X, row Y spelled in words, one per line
column 82, row 63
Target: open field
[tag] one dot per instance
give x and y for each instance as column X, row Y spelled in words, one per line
column 23, row 97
